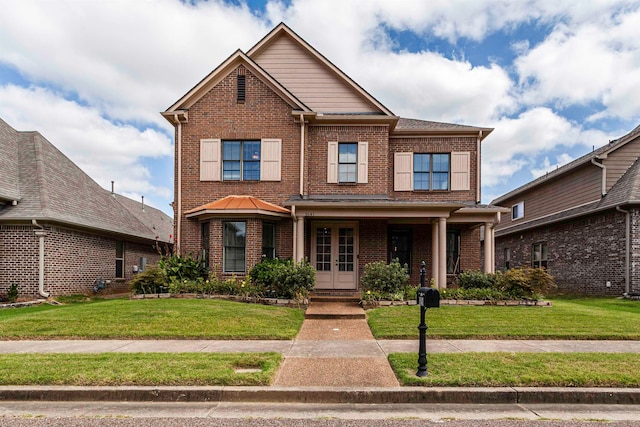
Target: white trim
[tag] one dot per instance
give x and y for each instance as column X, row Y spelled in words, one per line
column 519, row 210
column 363, row 162
column 332, row 162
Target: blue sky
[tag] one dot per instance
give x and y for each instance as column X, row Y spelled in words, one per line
column 555, row 78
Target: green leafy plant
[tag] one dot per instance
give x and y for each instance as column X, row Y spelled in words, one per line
column 13, row 292
column 183, row 267
column 388, row 280
column 526, row 282
column 150, row 281
column 283, row 278
column 475, row 279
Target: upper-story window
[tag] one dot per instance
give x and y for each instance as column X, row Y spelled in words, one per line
column 517, row 211
column 234, row 160
column 241, row 160
column 430, row 171
column 347, row 162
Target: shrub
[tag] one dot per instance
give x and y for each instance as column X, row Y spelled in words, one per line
column 526, row 282
column 183, row 267
column 150, row 281
column 389, row 280
column 475, row 280
column 12, row 292
column 483, row 294
column 283, row 278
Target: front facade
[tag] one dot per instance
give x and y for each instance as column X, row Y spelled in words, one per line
column 581, row 222
column 60, row 231
column 280, row 154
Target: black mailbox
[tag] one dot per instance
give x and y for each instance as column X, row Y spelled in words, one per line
column 428, row 298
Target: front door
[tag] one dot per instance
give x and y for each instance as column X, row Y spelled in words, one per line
column 334, row 252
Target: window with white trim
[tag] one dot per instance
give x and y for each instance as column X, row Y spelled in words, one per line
column 517, row 211
column 240, row 160
column 234, row 237
column 431, row 171
column 347, row 162
column 539, row 255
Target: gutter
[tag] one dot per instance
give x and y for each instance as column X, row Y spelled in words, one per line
column 604, row 176
column 627, row 250
column 478, row 167
column 302, row 143
column 40, row 233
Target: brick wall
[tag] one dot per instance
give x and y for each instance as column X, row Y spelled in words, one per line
column 73, row 260
column 583, row 254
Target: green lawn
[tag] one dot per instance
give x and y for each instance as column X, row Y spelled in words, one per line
column 184, row 369
column 568, row 318
column 152, row 318
column 520, row 369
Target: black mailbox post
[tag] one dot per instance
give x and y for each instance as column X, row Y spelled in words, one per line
column 426, row 298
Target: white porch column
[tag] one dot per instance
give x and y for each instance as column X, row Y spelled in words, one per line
column 299, row 246
column 442, row 253
column 488, row 247
column 434, row 252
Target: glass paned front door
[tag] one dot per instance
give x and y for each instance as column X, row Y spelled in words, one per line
column 334, row 251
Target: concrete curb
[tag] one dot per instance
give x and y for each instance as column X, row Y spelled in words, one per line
column 460, row 395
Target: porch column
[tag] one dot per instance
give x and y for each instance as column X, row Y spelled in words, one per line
column 488, row 247
column 434, row 252
column 299, row 246
column 442, row 253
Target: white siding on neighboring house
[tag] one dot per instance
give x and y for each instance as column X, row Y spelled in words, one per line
column 210, row 167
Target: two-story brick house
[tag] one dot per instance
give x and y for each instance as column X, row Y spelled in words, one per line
column 579, row 221
column 279, row 153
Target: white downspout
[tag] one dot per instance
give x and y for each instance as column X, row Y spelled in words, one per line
column 295, row 231
column 179, row 186
column 302, row 142
column 604, row 176
column 627, row 250
column 478, row 166
column 40, row 233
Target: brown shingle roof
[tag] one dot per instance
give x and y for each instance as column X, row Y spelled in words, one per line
column 9, row 187
column 53, row 188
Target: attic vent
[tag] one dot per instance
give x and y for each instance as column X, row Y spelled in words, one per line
column 242, row 85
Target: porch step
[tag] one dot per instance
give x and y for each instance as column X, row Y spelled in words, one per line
column 334, row 310
column 344, row 297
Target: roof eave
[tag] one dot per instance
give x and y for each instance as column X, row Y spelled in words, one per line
column 236, row 212
column 481, row 132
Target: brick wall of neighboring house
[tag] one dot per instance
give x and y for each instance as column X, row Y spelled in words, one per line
column 634, row 285
column 316, row 155
column 583, row 254
column 435, row 145
column 73, row 260
column 218, row 115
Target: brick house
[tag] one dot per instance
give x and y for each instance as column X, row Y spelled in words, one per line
column 581, row 222
column 60, row 231
column 279, row 153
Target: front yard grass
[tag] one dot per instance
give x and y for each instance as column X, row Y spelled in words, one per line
column 110, row 369
column 520, row 369
column 151, row 319
column 567, row 318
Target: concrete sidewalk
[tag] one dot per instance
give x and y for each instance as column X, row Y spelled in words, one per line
column 326, row 347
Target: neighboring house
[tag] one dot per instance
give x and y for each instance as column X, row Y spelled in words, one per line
column 280, row 154
column 581, row 222
column 60, row 231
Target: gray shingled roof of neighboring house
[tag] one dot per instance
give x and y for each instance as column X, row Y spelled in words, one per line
column 53, row 188
column 571, row 165
column 9, row 189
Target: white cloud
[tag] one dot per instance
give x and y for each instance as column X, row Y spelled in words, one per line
column 104, row 150
column 595, row 62
column 546, row 165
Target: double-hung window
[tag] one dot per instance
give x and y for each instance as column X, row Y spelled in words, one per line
column 268, row 240
column 539, row 255
column 347, row 162
column 241, row 160
column 430, row 171
column 234, row 244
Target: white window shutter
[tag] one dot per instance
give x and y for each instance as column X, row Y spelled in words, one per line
column 210, row 160
column 332, row 162
column 270, row 159
column 460, row 171
column 402, row 171
column 363, row 162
